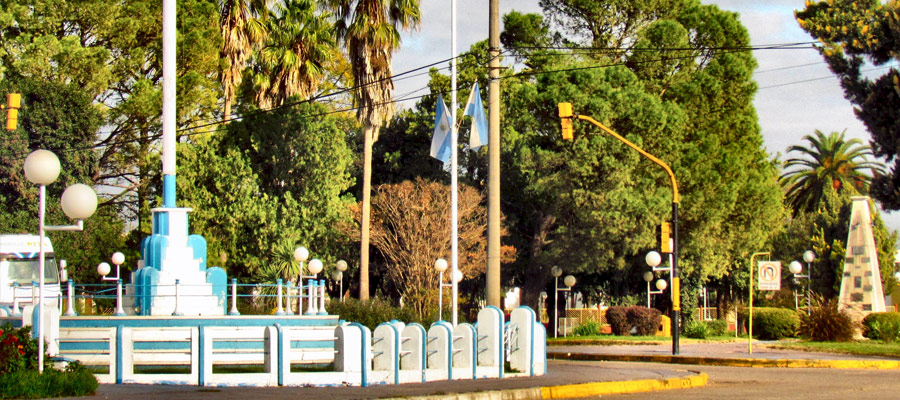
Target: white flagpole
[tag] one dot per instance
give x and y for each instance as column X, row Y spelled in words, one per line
column 454, row 250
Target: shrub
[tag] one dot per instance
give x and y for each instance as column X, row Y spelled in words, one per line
column 825, row 323
column 75, row 380
column 618, row 321
column 588, row 328
column 697, row 330
column 18, row 350
column 644, row 320
column 883, row 326
column 373, row 312
column 717, row 327
column 774, row 323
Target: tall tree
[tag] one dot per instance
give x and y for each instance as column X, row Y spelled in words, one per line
column 852, row 32
column 242, row 27
column 827, row 161
column 370, row 29
column 292, row 59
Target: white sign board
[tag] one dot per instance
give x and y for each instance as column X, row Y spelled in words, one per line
column 770, row 275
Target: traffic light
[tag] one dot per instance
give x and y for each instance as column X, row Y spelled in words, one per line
column 665, row 235
column 13, row 103
column 565, row 118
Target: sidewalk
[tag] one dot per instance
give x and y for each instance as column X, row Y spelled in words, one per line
column 576, row 371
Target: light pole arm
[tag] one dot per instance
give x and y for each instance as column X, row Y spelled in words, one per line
column 659, row 162
column 79, row 226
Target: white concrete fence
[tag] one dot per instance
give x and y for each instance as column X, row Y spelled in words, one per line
column 349, row 354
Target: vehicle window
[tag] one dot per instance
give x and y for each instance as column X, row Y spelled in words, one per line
column 24, row 271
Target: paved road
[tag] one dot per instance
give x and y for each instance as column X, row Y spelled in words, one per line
column 733, row 383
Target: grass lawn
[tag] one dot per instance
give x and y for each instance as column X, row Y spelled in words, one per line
column 611, row 340
column 865, row 348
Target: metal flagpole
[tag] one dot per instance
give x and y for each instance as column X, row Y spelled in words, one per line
column 454, row 250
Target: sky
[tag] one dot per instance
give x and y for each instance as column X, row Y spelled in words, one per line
column 797, row 94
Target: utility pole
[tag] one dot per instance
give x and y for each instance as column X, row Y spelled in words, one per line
column 493, row 256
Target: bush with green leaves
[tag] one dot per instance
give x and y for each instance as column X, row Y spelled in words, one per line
column 717, row 327
column 826, row 323
column 618, row 320
column 75, row 380
column 884, row 326
column 771, row 323
column 697, row 330
column 587, row 328
column 18, row 350
column 375, row 311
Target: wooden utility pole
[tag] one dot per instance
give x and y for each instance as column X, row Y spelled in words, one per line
column 493, row 256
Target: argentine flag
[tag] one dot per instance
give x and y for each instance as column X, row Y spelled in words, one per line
column 479, row 134
column 440, row 142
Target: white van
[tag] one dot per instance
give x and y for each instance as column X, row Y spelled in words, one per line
column 19, row 264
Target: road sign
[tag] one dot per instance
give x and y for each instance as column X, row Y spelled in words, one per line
column 770, row 275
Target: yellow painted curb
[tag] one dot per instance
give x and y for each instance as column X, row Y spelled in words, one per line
column 732, row 362
column 601, row 388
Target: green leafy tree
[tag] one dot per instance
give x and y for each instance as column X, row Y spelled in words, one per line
column 850, row 33
column 272, row 181
column 242, row 28
column 370, row 30
column 826, row 161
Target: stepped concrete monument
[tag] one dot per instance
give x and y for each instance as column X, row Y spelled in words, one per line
column 861, row 290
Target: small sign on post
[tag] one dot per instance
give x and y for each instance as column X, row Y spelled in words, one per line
column 770, row 275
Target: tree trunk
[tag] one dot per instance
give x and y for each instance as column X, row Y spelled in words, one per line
column 227, row 111
column 369, row 140
column 532, row 287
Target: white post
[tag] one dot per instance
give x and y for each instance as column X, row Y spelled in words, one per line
column 70, row 300
column 279, row 310
column 234, row 310
column 648, row 294
column 119, row 310
column 322, row 298
column 441, row 296
column 287, row 303
column 177, row 311
column 454, row 246
column 312, row 298
column 556, row 307
column 41, row 262
column 15, row 309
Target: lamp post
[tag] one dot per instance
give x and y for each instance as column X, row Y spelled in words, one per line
column 440, row 265
column 569, row 281
column 78, row 202
column 566, row 119
column 339, row 276
column 542, row 305
column 661, row 286
column 796, row 268
column 301, row 254
column 556, row 272
column 314, row 266
column 104, row 269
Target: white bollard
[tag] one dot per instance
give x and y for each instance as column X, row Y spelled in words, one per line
column 288, row 289
column 70, row 300
column 312, row 298
column 322, row 298
column 177, row 311
column 234, row 310
column 279, row 310
column 119, row 310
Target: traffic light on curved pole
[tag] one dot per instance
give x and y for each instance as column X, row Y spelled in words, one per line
column 567, row 117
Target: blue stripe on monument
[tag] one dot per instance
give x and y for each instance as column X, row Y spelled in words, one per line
column 219, row 321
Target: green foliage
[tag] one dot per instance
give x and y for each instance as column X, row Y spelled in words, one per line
column 375, row 311
column 826, row 323
column 696, row 329
column 772, row 323
column 587, row 328
column 618, row 321
column 852, row 32
column 75, row 380
column 18, row 350
column 884, row 326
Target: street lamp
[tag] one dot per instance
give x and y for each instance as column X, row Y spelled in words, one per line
column 440, row 265
column 661, row 286
column 78, row 202
column 567, row 118
column 556, row 272
column 301, row 254
column 339, row 276
column 104, row 269
column 796, row 268
column 569, row 281
column 542, row 305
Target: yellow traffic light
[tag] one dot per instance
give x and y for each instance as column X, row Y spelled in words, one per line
column 13, row 103
column 565, row 118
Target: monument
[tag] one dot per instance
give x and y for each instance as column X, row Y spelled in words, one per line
column 861, row 290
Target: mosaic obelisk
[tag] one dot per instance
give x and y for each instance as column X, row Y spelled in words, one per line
column 861, row 291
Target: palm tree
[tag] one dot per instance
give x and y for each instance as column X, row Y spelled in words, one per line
column 243, row 27
column 291, row 62
column 370, row 29
column 829, row 163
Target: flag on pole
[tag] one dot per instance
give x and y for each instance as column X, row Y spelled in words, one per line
column 440, row 142
column 478, row 136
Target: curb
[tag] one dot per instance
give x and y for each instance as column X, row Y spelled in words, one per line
column 577, row 390
column 731, row 362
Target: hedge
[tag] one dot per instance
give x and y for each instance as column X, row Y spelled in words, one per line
column 882, row 326
column 771, row 323
column 645, row 321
